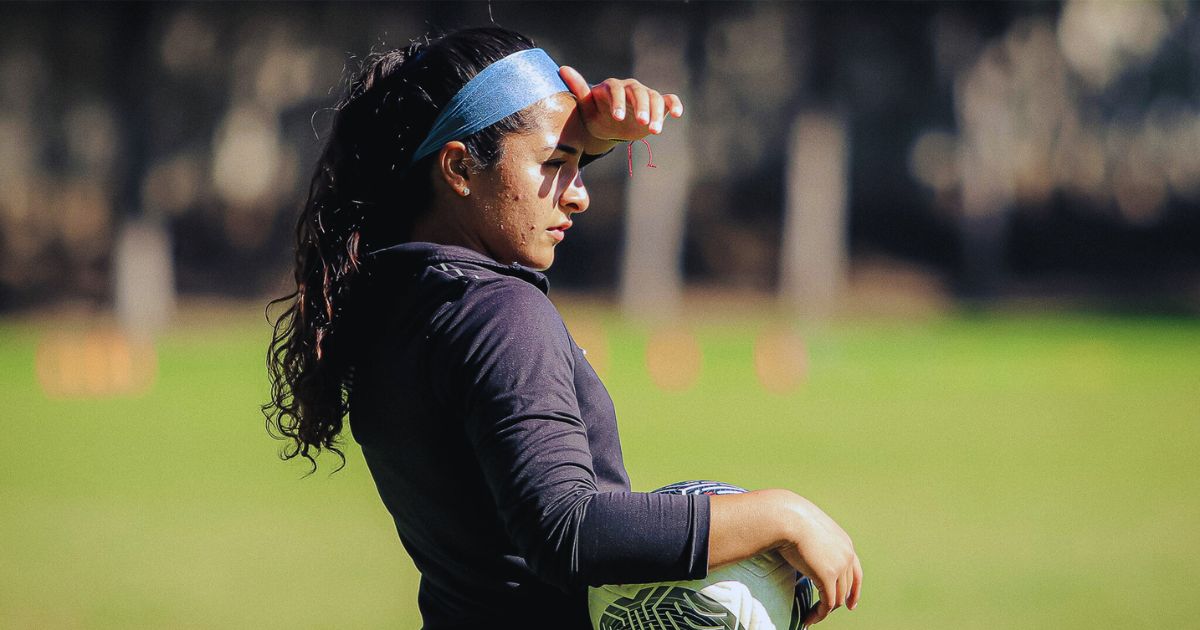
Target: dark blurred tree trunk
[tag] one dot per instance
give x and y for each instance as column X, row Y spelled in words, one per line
column 983, row 108
column 142, row 269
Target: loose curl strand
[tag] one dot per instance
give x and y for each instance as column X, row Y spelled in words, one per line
column 364, row 195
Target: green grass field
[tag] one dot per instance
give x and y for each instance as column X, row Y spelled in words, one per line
column 996, row 471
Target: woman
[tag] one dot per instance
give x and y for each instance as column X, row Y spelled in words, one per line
column 452, row 172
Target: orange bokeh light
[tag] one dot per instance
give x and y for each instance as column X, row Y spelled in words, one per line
column 780, row 360
column 673, row 359
column 94, row 364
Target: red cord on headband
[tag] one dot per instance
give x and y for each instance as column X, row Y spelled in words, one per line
column 649, row 160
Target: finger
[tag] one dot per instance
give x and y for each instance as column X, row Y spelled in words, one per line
column 818, row 614
column 575, row 82
column 856, row 591
column 656, row 112
column 616, row 95
column 602, row 97
column 673, row 104
column 825, row 589
column 639, row 98
column 843, row 586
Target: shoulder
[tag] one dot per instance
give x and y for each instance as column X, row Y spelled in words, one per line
column 501, row 334
column 502, row 292
column 463, row 295
column 499, row 304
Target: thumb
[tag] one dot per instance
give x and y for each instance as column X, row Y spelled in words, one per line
column 575, row 82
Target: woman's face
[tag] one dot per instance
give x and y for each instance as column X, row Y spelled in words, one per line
column 527, row 198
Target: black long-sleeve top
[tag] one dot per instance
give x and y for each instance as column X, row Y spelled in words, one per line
column 494, row 446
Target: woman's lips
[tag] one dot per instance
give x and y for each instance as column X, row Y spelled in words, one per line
column 558, row 232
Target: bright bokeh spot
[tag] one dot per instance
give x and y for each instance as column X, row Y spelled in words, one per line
column 673, row 359
column 95, row 364
column 247, row 157
column 780, row 360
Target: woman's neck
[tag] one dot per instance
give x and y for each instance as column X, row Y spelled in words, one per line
column 434, row 228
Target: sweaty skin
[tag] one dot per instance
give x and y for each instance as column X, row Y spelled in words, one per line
column 519, row 210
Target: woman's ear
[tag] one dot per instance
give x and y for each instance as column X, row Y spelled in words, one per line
column 453, row 166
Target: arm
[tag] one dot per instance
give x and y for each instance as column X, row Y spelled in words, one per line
column 745, row 525
column 510, row 364
column 603, row 106
column 742, row 525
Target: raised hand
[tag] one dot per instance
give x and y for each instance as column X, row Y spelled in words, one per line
column 605, row 106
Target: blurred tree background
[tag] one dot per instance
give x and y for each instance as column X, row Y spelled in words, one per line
column 996, row 150
column 849, row 182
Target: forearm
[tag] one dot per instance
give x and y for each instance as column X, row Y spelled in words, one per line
column 744, row 525
column 614, row 538
column 635, row 537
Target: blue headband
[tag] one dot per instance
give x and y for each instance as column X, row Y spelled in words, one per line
column 503, row 88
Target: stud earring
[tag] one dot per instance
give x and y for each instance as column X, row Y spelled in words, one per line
column 466, row 191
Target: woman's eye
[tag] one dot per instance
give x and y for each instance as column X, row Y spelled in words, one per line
column 555, row 163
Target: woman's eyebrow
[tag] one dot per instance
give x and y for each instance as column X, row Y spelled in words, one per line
column 565, row 148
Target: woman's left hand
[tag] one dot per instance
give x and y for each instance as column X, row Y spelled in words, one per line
column 604, row 107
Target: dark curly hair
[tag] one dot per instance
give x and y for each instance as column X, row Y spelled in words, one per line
column 364, row 195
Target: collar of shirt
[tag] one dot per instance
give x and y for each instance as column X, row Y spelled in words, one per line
column 420, row 254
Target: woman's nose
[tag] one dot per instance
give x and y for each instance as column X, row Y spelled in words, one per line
column 575, row 197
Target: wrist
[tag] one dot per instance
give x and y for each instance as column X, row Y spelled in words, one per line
column 781, row 516
column 588, row 157
column 599, row 146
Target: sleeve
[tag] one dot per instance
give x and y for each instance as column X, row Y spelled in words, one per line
column 509, row 356
column 588, row 158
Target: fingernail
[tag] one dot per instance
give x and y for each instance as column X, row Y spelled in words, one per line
column 643, row 117
column 619, row 114
column 656, row 127
column 678, row 111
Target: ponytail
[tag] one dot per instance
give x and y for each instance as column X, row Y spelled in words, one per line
column 364, row 195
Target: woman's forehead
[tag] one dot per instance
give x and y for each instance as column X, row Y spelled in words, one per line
column 554, row 121
column 560, row 102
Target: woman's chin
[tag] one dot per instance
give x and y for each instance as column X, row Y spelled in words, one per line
column 540, row 261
